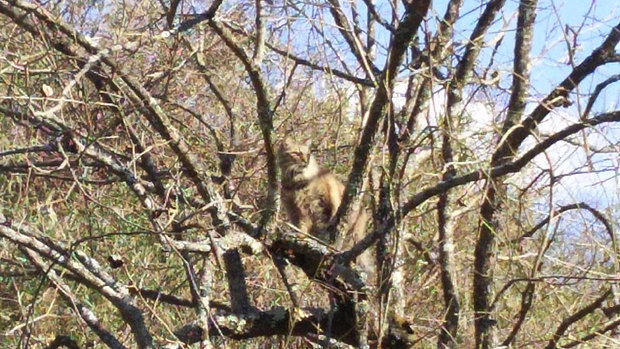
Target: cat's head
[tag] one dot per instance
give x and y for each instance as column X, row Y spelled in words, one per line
column 295, row 158
column 293, row 152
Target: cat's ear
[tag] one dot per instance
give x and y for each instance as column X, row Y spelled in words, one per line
column 308, row 143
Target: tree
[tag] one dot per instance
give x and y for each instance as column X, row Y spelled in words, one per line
column 140, row 182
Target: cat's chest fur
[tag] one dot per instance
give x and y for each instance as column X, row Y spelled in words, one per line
column 313, row 203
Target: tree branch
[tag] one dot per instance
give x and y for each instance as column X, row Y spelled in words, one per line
column 488, row 226
column 82, row 310
column 353, row 40
column 265, row 117
column 497, row 171
column 580, row 314
column 516, row 135
column 414, row 15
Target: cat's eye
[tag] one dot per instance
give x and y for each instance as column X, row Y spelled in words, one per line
column 298, row 155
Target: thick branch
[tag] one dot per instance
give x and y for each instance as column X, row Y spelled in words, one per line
column 281, row 321
column 522, row 62
column 353, row 40
column 414, row 15
column 573, row 318
column 82, row 310
column 488, row 226
column 265, row 118
column 596, row 333
column 497, row 171
column 474, row 44
column 510, row 167
column 140, row 96
column 88, row 270
column 259, row 47
column 235, row 273
column 600, row 56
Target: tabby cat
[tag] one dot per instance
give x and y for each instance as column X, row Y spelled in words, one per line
column 311, row 195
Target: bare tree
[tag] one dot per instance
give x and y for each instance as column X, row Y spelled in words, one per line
column 140, row 187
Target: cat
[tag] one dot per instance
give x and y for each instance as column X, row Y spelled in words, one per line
column 311, row 195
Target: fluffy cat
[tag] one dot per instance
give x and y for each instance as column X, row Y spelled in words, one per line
column 311, row 195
